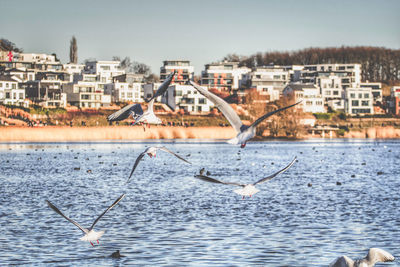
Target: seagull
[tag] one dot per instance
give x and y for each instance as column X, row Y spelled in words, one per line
column 151, row 151
column 244, row 132
column 374, row 255
column 163, row 87
column 90, row 234
column 134, row 110
column 247, row 189
column 148, row 117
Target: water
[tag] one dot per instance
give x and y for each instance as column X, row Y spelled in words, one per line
column 170, row 218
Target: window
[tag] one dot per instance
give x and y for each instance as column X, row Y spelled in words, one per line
column 122, row 95
column 21, row 95
column 178, row 93
column 13, row 86
column 365, row 103
column 85, row 97
column 7, row 85
column 328, row 93
column 7, row 95
column 359, row 95
column 277, row 77
column 352, row 95
column 129, row 94
column 14, row 95
column 335, row 92
column 202, row 101
column 1, row 84
column 354, row 102
column 366, row 95
column 309, row 103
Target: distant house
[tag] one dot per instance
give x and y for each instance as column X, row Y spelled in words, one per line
column 271, row 77
column 309, row 94
column 86, row 94
column 395, row 96
column 359, row 101
column 376, row 90
column 104, row 70
column 11, row 93
column 223, row 76
column 184, row 71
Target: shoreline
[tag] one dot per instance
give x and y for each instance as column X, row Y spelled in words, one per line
column 129, row 133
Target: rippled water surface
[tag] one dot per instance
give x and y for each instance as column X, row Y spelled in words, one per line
column 170, row 218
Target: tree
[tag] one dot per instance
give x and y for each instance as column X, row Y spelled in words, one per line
column 73, row 51
column 256, row 106
column 141, row 68
column 6, row 45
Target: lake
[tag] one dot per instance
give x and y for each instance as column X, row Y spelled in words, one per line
column 170, row 218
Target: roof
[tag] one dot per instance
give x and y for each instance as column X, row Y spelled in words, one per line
column 300, row 86
column 6, row 78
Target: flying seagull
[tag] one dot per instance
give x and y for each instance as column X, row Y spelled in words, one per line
column 151, row 151
column 374, row 255
column 148, row 117
column 246, row 189
column 244, row 132
column 134, row 110
column 163, row 87
column 90, row 234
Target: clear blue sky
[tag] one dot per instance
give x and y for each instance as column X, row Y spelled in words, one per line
column 200, row 31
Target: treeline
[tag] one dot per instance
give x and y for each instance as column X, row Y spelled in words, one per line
column 377, row 63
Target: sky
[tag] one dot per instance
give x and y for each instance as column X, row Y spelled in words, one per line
column 200, row 31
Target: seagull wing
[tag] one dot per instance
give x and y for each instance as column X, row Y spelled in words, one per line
column 275, row 174
column 223, row 106
column 212, row 180
column 163, row 87
column 136, row 163
column 59, row 212
column 379, row 255
column 176, row 155
column 125, row 112
column 110, row 207
column 342, row 261
column 150, row 107
column 263, row 117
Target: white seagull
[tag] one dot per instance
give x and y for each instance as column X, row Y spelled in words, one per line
column 148, row 117
column 151, row 151
column 246, row 189
column 374, row 255
column 244, row 132
column 90, row 234
column 163, row 87
column 134, row 110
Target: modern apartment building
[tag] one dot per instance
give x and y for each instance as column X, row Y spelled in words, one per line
column 358, row 101
column 104, row 70
column 224, row 76
column 376, row 89
column 184, row 71
column 11, row 93
column 270, row 76
column 313, row 101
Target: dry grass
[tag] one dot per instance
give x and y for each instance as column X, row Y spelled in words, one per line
column 60, row 134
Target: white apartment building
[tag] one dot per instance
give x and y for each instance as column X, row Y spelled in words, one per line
column 85, row 94
column 11, row 93
column 188, row 98
column 350, row 74
column 376, row 89
column 184, row 71
column 270, row 76
column 36, row 58
column 125, row 92
column 359, row 101
column 22, row 73
column 313, row 101
column 223, row 76
column 104, row 70
column 72, row 68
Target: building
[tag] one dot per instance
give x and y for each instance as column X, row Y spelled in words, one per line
column 46, row 90
column 72, row 68
column 22, row 73
column 395, row 103
column 184, row 71
column 11, row 93
column 104, row 70
column 350, row 74
column 358, row 101
column 186, row 97
column 125, row 90
column 86, row 94
column 308, row 93
column 274, row 77
column 224, row 76
column 376, row 89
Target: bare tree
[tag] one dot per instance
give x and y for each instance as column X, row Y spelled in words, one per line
column 7, row 45
column 73, row 51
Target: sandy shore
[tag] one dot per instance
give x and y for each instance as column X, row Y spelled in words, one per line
column 63, row 134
